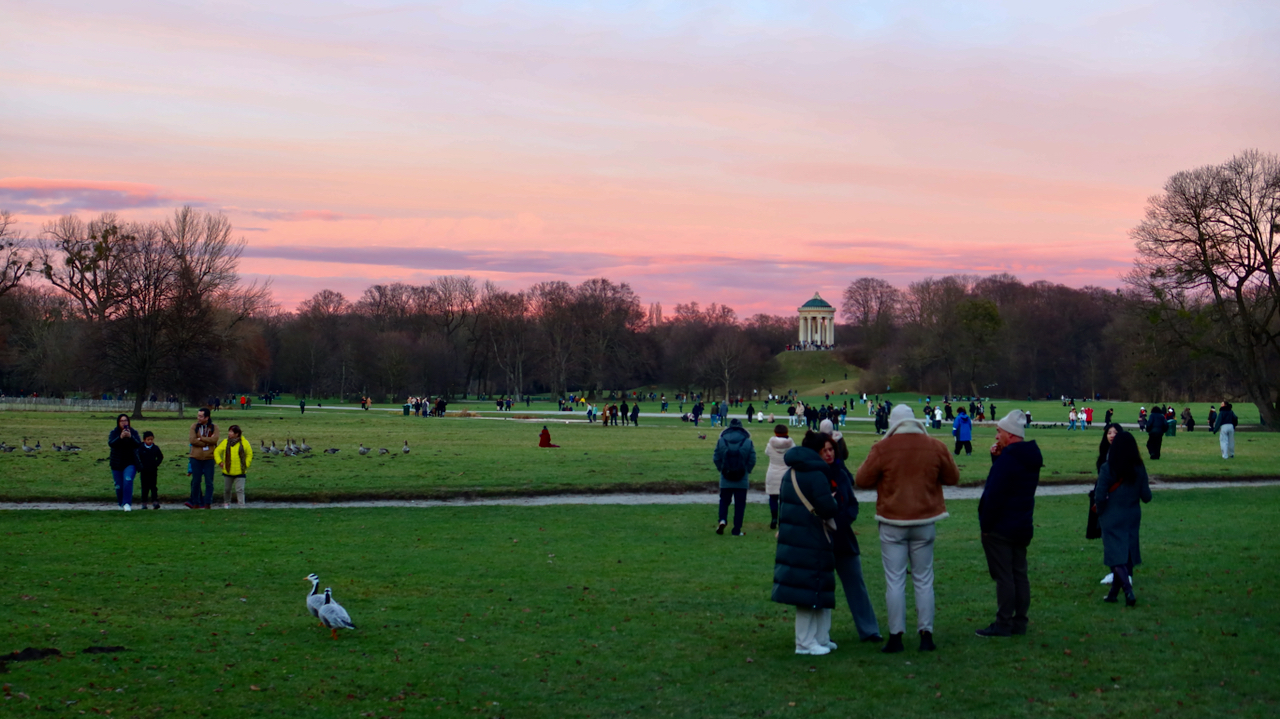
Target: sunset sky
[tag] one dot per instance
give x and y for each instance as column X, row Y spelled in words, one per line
column 747, row 153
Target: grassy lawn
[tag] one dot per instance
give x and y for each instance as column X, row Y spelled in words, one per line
column 459, row 456
column 609, row 611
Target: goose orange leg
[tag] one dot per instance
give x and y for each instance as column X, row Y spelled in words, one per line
column 335, row 633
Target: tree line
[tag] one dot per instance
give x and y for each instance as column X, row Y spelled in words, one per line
column 158, row 307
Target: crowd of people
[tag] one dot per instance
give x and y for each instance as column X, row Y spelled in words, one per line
column 812, row 507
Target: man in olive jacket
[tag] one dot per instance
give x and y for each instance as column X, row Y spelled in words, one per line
column 1005, row 514
column 734, row 457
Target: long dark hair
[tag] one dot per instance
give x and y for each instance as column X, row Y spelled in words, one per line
column 816, row 440
column 122, row 414
column 1104, row 446
column 1124, row 458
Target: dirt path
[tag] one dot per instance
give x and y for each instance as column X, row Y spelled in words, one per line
column 753, row 497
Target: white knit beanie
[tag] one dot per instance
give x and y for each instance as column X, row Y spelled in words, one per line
column 1014, row 423
column 900, row 415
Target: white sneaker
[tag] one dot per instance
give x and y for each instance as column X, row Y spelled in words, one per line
column 1108, row 579
column 832, row 645
column 815, row 651
column 128, row 507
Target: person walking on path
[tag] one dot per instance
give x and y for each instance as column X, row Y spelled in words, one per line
column 962, row 428
column 848, row 559
column 302, row 406
column 635, row 415
column 123, row 442
column 1155, row 432
column 1122, row 483
column 203, row 438
column 774, row 450
column 1213, row 419
column 149, row 459
column 804, row 562
column 1225, row 427
column 233, row 455
column 1005, row 517
column 908, row 469
column 1187, row 420
column 734, row 457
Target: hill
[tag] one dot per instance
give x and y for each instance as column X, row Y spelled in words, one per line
column 805, row 372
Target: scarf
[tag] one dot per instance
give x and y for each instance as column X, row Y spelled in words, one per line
column 226, row 457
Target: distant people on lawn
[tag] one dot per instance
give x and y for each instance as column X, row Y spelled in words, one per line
column 1156, row 425
column 1225, row 426
column 150, row 458
column 735, row 458
column 1122, row 484
column 123, row 443
column 1005, row 517
column 775, row 450
column 233, row 455
column 908, row 469
column 203, row 438
column 962, row 430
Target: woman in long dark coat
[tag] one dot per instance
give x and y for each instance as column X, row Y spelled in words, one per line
column 804, row 566
column 1122, row 484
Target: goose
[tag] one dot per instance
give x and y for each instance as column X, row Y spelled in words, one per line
column 333, row 616
column 273, row 449
column 363, row 449
column 5, row 448
column 383, row 450
column 332, row 450
column 304, row 447
column 405, row 448
column 57, row 447
column 262, row 445
column 315, row 599
column 27, row 449
column 69, row 446
column 37, row 445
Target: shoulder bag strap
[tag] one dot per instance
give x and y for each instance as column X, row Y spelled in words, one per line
column 807, row 505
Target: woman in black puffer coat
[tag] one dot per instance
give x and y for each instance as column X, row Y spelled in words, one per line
column 804, row 566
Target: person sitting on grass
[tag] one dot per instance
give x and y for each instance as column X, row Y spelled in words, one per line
column 233, row 455
column 544, row 439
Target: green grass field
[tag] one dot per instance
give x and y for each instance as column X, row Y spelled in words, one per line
column 615, row 611
column 457, row 456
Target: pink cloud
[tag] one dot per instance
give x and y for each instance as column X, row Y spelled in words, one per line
column 39, row 196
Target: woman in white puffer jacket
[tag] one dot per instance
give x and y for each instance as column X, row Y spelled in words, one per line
column 778, row 445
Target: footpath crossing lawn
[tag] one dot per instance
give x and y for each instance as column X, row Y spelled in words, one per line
column 616, row 611
column 457, row 456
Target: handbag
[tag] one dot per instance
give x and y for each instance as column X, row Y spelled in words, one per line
column 1092, row 530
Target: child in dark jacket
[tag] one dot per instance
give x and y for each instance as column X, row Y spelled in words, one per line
column 149, row 459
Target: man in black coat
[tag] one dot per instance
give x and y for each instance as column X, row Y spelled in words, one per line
column 1156, row 426
column 1005, row 514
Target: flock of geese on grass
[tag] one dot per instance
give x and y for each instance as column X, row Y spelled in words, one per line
column 64, row 447
column 323, row 607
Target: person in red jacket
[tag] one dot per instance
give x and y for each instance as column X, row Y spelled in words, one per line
column 544, row 439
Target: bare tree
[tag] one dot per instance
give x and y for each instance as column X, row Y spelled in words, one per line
column 506, row 316
column 15, row 261
column 1207, row 262
column 552, row 306
column 871, row 304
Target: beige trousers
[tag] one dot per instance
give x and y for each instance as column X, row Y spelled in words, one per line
column 230, row 482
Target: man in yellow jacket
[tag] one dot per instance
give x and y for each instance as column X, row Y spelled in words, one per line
column 233, row 455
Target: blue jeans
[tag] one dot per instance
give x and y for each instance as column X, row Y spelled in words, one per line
column 123, row 480
column 739, row 498
column 849, row 569
column 202, row 468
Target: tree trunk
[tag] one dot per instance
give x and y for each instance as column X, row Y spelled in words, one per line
column 138, row 399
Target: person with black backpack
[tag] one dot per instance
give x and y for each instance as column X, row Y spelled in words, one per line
column 734, row 457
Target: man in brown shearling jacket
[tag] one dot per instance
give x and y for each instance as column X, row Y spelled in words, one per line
column 908, row 469
column 203, row 438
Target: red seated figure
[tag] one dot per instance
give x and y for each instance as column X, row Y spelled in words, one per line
column 544, row 439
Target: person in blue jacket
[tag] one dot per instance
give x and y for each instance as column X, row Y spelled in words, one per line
column 962, row 429
column 734, row 457
column 1005, row 514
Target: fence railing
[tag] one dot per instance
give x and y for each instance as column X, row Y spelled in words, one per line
column 51, row 404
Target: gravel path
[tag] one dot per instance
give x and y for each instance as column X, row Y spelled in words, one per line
column 753, row 497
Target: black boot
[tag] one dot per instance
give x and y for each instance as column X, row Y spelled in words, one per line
column 1129, row 599
column 926, row 641
column 894, row 645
